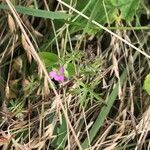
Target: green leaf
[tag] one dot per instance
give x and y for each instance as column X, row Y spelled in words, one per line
column 38, row 12
column 70, row 69
column 128, row 11
column 50, row 59
column 127, row 7
column 146, row 86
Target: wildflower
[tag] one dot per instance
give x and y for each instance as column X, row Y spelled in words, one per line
column 58, row 75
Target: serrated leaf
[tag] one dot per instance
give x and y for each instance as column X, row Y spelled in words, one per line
column 146, row 86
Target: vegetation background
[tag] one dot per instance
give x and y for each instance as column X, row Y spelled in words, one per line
column 74, row 74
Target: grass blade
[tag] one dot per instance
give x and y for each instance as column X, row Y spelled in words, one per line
column 106, row 109
column 37, row 12
column 104, row 112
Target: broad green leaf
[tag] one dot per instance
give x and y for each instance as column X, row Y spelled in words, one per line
column 127, row 7
column 117, row 3
column 128, row 11
column 50, row 59
column 146, row 86
column 37, row 12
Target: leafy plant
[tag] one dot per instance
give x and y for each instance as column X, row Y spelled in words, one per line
column 103, row 12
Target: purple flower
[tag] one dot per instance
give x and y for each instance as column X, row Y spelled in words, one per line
column 58, row 75
column 62, row 70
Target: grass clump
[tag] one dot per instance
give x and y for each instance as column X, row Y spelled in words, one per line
column 74, row 75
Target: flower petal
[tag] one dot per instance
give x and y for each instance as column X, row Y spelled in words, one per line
column 61, row 70
column 59, row 78
column 52, row 74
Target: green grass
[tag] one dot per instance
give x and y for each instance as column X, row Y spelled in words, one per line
column 101, row 104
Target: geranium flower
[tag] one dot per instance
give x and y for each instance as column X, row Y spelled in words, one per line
column 58, row 75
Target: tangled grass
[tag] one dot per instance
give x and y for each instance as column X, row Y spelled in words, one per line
column 101, row 103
